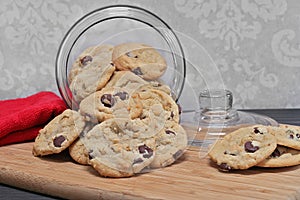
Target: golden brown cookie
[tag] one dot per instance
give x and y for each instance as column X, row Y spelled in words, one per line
column 287, row 135
column 109, row 103
column 141, row 59
column 116, row 148
column 126, row 79
column 243, row 148
column 133, row 83
column 282, row 157
column 77, row 150
column 150, row 98
column 91, row 71
column 171, row 143
column 59, row 133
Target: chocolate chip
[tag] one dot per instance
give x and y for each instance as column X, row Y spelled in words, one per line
column 122, row 95
column 224, row 167
column 85, row 60
column 143, row 117
column 107, row 100
column 58, row 140
column 250, row 148
column 177, row 154
column 146, row 151
column 170, row 132
column 137, row 160
column 257, row 131
column 137, row 71
column 291, row 136
column 298, row 135
column 276, row 153
column 130, row 55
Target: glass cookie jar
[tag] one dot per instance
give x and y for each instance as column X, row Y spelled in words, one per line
column 115, row 25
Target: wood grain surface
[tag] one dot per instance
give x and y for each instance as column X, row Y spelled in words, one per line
column 191, row 177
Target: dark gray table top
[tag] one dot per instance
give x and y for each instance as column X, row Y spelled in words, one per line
column 288, row 116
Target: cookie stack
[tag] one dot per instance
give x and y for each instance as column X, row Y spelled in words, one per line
column 127, row 121
column 263, row 146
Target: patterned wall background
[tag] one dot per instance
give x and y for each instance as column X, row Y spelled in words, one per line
column 254, row 43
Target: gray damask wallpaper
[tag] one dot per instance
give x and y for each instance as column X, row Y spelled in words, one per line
column 255, row 45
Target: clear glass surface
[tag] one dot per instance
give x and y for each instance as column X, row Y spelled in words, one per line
column 216, row 111
column 115, row 25
column 216, row 117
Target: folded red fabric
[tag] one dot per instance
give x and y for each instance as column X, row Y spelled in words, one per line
column 20, row 136
column 22, row 118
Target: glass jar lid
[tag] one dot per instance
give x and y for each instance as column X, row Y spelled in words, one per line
column 216, row 117
column 216, row 111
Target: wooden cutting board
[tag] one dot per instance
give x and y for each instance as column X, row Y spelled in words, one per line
column 191, row 177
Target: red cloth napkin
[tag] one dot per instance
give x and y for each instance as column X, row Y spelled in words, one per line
column 22, row 118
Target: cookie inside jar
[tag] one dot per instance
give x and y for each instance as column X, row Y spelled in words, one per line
column 127, row 65
column 116, row 25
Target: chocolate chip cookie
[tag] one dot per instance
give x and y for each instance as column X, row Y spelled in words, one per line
column 150, row 98
column 82, row 60
column 126, row 79
column 157, row 86
column 287, row 135
column 243, row 148
column 77, row 150
column 91, row 71
column 171, row 143
column 141, row 59
column 282, row 157
column 133, row 83
column 59, row 133
column 109, row 103
column 116, row 148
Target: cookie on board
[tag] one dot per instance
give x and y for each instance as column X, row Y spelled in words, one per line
column 243, row 148
column 287, row 135
column 282, row 157
column 116, row 148
column 59, row 133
